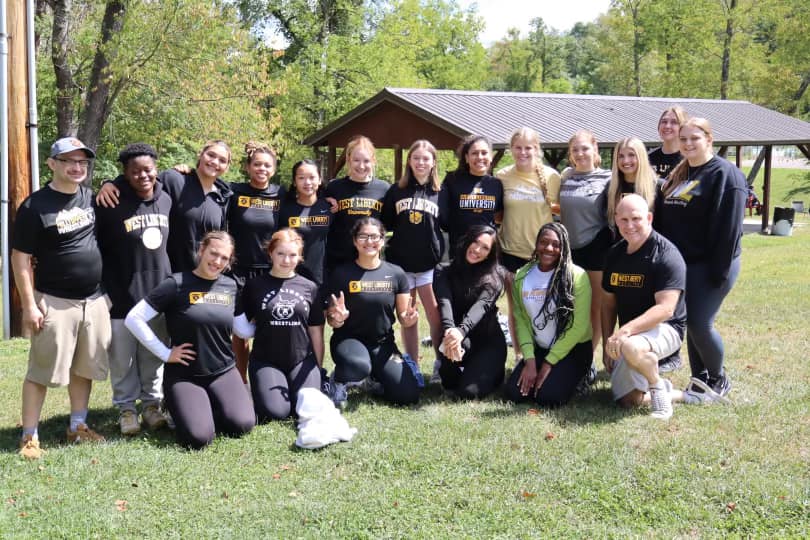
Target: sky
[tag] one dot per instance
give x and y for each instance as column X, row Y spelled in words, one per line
column 500, row 15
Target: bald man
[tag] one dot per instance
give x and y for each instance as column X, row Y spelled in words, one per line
column 644, row 279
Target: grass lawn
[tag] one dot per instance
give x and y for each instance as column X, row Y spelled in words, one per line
column 461, row 469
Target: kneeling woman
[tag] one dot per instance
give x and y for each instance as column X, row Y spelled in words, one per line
column 364, row 295
column 473, row 351
column 552, row 299
column 280, row 311
column 204, row 393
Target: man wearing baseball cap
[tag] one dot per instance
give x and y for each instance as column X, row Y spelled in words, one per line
column 63, row 306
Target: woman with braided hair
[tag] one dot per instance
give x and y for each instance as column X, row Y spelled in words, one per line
column 552, row 299
column 531, row 192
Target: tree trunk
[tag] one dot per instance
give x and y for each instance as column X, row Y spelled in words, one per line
column 794, row 108
column 101, row 93
column 726, row 66
column 65, row 86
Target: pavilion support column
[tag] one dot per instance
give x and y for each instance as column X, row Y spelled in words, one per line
column 331, row 162
column 804, row 149
column 766, row 189
column 496, row 159
column 738, row 159
column 397, row 163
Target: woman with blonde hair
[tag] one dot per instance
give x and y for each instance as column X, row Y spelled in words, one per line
column 583, row 211
column 356, row 196
column 701, row 212
column 664, row 158
column 411, row 212
column 530, row 195
column 631, row 174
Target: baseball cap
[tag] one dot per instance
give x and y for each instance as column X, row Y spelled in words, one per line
column 69, row 144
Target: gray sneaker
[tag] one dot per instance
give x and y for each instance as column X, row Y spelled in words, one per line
column 669, row 364
column 661, row 402
column 128, row 422
column 700, row 393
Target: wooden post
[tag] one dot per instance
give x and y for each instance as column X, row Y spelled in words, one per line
column 496, row 159
column 397, row 163
column 19, row 167
column 331, row 160
column 738, row 159
column 766, row 189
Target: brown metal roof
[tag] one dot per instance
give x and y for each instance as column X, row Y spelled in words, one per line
column 556, row 117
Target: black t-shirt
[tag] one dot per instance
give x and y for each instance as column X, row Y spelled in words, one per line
column 663, row 163
column 252, row 220
column 194, row 213
column 355, row 200
column 370, row 298
column 59, row 230
column 466, row 200
column 133, row 238
column 312, row 223
column 635, row 278
column 283, row 310
column 198, row 311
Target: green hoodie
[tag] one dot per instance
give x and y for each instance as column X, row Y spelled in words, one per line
column 580, row 329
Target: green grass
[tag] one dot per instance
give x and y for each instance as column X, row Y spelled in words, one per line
column 461, row 469
column 787, row 185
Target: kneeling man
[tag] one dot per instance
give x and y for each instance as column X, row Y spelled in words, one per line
column 644, row 279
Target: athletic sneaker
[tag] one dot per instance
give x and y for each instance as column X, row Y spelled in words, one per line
column 83, row 434
column 29, row 447
column 128, row 422
column 338, row 393
column 661, row 402
column 721, row 385
column 372, row 386
column 669, row 364
column 699, row 392
column 153, row 418
column 435, row 377
column 427, row 342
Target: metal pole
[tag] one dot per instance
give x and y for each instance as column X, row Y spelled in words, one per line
column 4, row 215
column 33, row 118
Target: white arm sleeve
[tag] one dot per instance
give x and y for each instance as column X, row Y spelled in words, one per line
column 243, row 327
column 137, row 322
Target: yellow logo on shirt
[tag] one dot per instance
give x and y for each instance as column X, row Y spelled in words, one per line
column 355, row 286
column 635, row 281
column 294, row 222
column 195, row 297
column 255, row 202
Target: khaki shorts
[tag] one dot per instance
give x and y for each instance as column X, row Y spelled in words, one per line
column 75, row 338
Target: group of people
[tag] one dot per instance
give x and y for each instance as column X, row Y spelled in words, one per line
column 143, row 280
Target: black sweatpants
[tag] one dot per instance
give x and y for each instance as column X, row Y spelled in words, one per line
column 275, row 391
column 481, row 369
column 562, row 380
column 201, row 407
column 354, row 361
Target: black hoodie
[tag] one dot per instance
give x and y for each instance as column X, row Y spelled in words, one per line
column 412, row 214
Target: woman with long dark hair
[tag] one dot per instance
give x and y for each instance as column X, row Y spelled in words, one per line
column 473, row 349
column 552, row 299
column 470, row 195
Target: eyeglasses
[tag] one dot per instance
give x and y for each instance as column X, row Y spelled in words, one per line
column 369, row 237
column 84, row 163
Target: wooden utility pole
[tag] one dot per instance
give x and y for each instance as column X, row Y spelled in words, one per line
column 19, row 165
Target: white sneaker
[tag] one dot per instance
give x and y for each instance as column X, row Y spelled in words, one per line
column 698, row 392
column 661, row 402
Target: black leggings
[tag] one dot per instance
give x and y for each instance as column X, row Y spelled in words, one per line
column 354, row 361
column 480, row 371
column 562, row 380
column 275, row 390
column 201, row 407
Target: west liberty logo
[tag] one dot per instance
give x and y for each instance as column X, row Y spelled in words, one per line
column 635, row 281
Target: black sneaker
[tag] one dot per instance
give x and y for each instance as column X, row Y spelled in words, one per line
column 721, row 385
column 670, row 363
